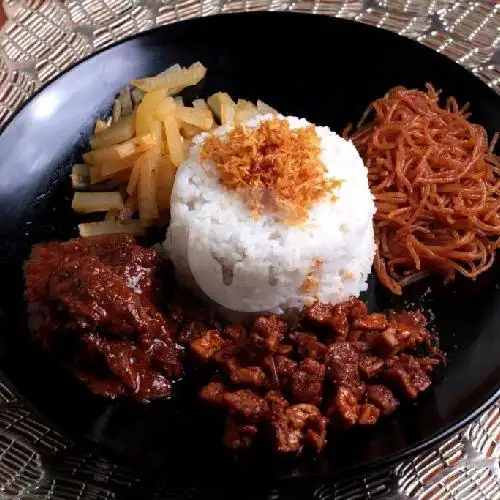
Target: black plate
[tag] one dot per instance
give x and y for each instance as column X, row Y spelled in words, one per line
column 324, row 69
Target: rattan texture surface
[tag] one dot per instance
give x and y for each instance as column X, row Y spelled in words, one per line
column 41, row 39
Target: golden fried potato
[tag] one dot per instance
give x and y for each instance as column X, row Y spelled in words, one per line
column 88, row 202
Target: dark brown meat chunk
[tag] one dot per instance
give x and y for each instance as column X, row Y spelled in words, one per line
column 368, row 414
column 93, row 302
column 246, row 404
column 191, row 331
column 307, row 382
column 370, row 366
column 308, row 346
column 277, row 403
column 343, row 410
column 248, row 376
column 234, row 333
column 299, row 425
column 237, row 435
column 206, row 346
column 407, row 376
column 371, row 322
column 284, row 369
column 132, row 367
column 382, row 397
column 267, row 332
column 342, row 365
column 358, row 308
column 285, row 350
column 335, row 317
column 213, row 393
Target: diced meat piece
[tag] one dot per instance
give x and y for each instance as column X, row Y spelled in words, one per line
column 207, row 345
column 299, row 425
column 428, row 363
column 249, row 376
column 356, row 335
column 335, row 317
column 234, row 333
column 246, row 404
column 315, row 433
column 342, row 364
column 368, row 414
column 284, row 369
column 224, row 356
column 213, row 393
column 385, row 344
column 382, row 397
column 267, row 333
column 238, row 436
column 191, row 331
column 370, row 366
column 343, row 410
column 308, row 346
column 277, row 403
column 284, row 350
column 286, row 438
column 358, row 308
column 298, row 415
column 408, row 377
column 307, row 382
column 411, row 329
column 375, row 322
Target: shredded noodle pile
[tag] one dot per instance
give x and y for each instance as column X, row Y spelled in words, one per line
column 436, row 184
column 274, row 168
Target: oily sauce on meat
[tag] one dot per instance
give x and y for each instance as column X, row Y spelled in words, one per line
column 110, row 309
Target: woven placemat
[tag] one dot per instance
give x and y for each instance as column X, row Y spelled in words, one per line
column 39, row 40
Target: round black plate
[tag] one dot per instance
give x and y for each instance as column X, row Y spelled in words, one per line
column 324, row 69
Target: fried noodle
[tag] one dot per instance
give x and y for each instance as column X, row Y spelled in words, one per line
column 436, row 184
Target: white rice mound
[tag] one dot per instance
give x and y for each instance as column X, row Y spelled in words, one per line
column 249, row 264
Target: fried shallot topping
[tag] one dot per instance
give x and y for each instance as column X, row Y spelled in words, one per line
column 273, row 167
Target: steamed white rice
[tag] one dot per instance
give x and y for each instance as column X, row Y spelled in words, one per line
column 250, row 264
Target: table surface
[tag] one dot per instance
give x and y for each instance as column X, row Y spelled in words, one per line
column 38, row 40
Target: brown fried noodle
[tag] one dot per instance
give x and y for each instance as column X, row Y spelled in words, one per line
column 436, row 184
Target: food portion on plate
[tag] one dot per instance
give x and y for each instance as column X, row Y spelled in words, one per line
column 270, row 215
column 272, row 226
column 436, row 183
column 293, row 386
column 94, row 304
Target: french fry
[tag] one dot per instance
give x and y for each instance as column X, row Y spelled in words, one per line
column 120, row 151
column 145, row 115
column 84, row 203
column 166, row 178
column 80, row 176
column 115, row 169
column 244, row 111
column 100, row 125
column 264, row 108
column 134, row 178
column 165, row 108
column 174, row 140
column 121, row 131
column 116, row 114
column 112, row 214
column 200, row 104
column 222, row 106
column 175, row 80
column 188, row 131
column 147, row 188
column 202, row 119
column 133, row 227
